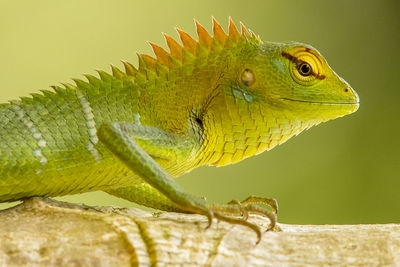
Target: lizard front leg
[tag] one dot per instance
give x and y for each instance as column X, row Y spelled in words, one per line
column 120, row 140
column 146, row 195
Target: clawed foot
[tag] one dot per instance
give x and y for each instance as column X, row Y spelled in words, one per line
column 230, row 212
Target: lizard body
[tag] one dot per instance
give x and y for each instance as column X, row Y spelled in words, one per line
column 214, row 101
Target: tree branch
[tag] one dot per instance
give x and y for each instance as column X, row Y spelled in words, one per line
column 46, row 232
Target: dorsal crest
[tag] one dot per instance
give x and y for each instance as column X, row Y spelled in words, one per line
column 190, row 47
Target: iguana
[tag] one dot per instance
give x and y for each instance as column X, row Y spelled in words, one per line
column 214, row 101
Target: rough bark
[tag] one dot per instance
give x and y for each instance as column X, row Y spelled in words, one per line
column 49, row 233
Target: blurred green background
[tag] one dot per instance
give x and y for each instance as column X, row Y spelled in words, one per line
column 344, row 171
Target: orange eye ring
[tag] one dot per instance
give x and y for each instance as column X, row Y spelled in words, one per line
column 305, row 66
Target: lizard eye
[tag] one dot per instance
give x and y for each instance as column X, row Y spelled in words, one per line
column 305, row 65
column 304, row 69
column 248, row 77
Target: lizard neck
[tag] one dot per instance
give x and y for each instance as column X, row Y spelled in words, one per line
column 235, row 135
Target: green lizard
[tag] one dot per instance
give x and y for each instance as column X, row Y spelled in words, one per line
column 214, row 101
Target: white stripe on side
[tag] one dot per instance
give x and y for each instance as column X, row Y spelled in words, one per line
column 91, row 124
column 41, row 143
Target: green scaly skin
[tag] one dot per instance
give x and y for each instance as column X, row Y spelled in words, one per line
column 213, row 102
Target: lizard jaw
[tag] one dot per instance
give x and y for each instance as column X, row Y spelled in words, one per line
column 322, row 103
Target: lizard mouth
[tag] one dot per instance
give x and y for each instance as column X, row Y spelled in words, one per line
column 323, row 103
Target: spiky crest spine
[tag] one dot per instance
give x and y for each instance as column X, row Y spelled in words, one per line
column 178, row 55
column 190, row 48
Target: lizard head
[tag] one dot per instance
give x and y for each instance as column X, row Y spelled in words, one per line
column 273, row 91
column 291, row 80
column 294, row 77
